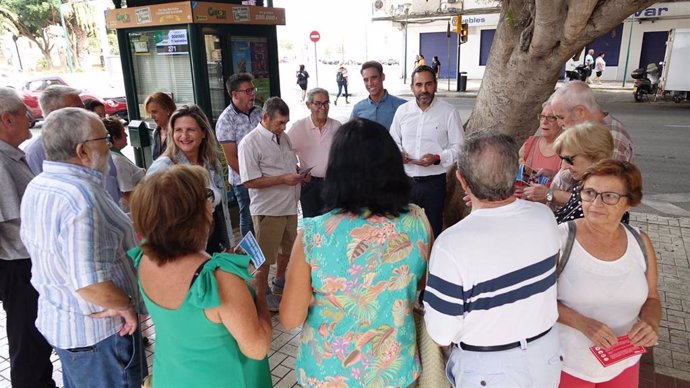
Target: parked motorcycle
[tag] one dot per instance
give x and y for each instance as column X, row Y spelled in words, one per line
column 578, row 74
column 646, row 81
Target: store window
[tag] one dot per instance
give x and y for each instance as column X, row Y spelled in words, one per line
column 216, row 84
column 250, row 55
column 162, row 64
column 486, row 39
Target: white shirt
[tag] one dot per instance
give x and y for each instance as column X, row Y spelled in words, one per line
column 312, row 144
column 262, row 154
column 612, row 292
column 492, row 277
column 437, row 131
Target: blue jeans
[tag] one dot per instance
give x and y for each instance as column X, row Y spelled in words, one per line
column 242, row 195
column 115, row 362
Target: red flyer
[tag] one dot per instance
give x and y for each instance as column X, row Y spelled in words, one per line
column 618, row 352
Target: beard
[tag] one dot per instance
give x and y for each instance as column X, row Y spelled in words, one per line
column 100, row 163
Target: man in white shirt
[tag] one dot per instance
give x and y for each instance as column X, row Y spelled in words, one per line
column 311, row 138
column 428, row 132
column 491, row 289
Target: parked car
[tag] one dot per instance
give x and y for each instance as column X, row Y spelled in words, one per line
column 114, row 106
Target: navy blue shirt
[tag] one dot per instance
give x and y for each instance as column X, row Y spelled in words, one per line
column 381, row 112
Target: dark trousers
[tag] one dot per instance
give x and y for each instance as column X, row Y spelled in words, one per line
column 30, row 365
column 310, row 198
column 342, row 85
column 429, row 193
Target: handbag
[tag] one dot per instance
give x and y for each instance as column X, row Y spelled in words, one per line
column 431, row 355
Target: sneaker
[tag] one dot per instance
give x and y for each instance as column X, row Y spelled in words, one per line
column 277, row 286
column 273, row 302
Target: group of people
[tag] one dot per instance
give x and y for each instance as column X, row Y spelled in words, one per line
column 370, row 249
column 595, row 65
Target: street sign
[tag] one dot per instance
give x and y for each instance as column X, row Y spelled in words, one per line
column 314, row 36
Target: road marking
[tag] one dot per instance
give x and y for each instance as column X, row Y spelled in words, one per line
column 678, row 126
column 667, row 208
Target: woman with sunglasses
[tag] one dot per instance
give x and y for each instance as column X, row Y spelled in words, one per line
column 608, row 288
column 210, row 330
column 578, row 147
column 193, row 142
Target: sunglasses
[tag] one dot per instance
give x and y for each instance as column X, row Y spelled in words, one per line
column 210, row 196
column 570, row 159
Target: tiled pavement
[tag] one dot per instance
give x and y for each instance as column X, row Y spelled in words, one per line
column 667, row 367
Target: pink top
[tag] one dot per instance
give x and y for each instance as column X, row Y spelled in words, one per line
column 313, row 145
column 535, row 159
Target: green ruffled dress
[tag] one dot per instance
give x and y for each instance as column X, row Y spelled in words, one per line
column 192, row 351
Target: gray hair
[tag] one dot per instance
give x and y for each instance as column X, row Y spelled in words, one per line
column 276, row 106
column 488, row 161
column 9, row 101
column 312, row 92
column 64, row 129
column 576, row 93
column 51, row 98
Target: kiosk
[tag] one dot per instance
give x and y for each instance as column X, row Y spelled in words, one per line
column 188, row 49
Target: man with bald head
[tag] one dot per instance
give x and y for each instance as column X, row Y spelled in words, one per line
column 29, row 352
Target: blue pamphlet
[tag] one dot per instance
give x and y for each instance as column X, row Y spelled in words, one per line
column 251, row 247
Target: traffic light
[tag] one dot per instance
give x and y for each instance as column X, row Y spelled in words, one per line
column 464, row 32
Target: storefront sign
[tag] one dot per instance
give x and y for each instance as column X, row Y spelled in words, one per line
column 236, row 14
column 490, row 19
column 152, row 15
column 663, row 10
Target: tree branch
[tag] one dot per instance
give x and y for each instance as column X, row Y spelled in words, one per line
column 548, row 18
column 579, row 12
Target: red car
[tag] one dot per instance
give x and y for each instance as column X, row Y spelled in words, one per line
column 34, row 87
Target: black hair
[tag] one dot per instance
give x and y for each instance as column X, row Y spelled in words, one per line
column 365, row 171
column 372, row 64
column 234, row 81
column 91, row 104
column 421, row 69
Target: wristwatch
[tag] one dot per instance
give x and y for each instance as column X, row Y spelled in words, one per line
column 549, row 196
column 438, row 159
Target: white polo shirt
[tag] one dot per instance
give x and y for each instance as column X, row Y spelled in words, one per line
column 437, row 131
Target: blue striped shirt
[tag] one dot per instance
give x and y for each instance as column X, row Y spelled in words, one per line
column 492, row 276
column 77, row 236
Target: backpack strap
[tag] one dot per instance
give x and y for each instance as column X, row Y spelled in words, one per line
column 640, row 242
column 565, row 253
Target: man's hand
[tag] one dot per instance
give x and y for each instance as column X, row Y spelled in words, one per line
column 292, row 179
column 306, row 178
column 535, row 192
column 427, row 160
column 406, row 157
column 129, row 315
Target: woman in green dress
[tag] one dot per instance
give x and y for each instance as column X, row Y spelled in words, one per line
column 210, row 330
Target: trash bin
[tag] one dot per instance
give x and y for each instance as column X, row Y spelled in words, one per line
column 140, row 138
column 462, row 81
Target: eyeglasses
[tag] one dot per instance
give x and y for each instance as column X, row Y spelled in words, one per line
column 210, row 196
column 320, row 104
column 607, row 197
column 549, row 119
column 570, row 159
column 559, row 117
column 108, row 140
column 248, row 91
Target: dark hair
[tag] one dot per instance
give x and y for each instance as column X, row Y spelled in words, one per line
column 301, row 67
column 365, row 171
column 276, row 105
column 626, row 171
column 91, row 104
column 163, row 100
column 421, row 69
column 600, row 54
column 176, row 223
column 234, row 81
column 114, row 127
column 368, row 64
column 488, row 161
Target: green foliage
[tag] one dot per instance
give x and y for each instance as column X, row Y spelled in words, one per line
column 112, row 41
column 31, row 16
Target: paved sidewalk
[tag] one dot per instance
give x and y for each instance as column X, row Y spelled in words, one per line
column 667, row 367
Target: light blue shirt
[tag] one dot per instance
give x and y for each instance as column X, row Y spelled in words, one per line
column 381, row 112
column 76, row 236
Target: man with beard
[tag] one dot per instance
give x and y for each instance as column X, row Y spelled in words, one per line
column 380, row 106
column 428, row 132
column 311, row 139
column 77, row 238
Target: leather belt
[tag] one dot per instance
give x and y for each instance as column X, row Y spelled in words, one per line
column 317, row 179
column 499, row 348
column 428, row 177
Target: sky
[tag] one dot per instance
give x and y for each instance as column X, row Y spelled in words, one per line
column 340, row 23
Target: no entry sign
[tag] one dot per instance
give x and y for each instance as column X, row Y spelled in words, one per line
column 314, row 36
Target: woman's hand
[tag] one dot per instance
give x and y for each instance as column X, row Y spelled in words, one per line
column 643, row 334
column 535, row 192
column 597, row 332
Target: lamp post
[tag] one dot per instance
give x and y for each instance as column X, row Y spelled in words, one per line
column 406, row 10
column 19, row 57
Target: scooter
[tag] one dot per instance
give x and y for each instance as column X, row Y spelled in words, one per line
column 577, row 74
column 646, row 81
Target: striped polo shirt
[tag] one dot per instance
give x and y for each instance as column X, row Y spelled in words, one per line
column 77, row 236
column 492, row 277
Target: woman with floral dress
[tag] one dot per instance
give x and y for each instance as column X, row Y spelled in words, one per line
column 354, row 271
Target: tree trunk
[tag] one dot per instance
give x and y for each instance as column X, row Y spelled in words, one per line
column 533, row 41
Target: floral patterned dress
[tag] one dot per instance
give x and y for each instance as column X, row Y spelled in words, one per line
column 359, row 330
